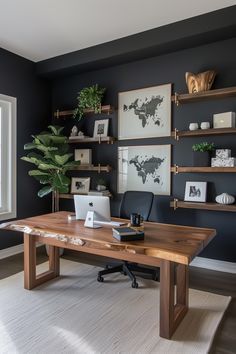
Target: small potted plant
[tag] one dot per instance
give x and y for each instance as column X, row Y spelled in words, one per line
column 89, row 98
column 202, row 154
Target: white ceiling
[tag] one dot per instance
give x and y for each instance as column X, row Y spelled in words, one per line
column 41, row 29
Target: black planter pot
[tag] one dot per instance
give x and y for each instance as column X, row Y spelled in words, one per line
column 202, row 159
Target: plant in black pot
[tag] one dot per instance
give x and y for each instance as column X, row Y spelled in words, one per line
column 202, row 154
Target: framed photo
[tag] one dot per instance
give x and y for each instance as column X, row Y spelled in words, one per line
column 80, row 185
column 144, row 113
column 100, row 128
column 195, row 192
column 144, row 168
column 84, row 156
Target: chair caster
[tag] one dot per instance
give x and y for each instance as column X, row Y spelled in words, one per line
column 155, row 277
column 134, row 285
column 100, row 279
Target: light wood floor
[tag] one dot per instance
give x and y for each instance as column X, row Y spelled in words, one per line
column 202, row 279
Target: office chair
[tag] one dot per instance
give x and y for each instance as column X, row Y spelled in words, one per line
column 133, row 202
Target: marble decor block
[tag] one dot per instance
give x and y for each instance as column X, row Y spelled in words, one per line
column 223, row 153
column 218, row 162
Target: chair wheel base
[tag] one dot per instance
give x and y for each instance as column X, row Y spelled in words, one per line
column 134, row 285
column 100, row 279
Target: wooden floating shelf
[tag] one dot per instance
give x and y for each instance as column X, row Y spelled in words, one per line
column 201, row 132
column 177, row 169
column 108, row 109
column 71, row 196
column 97, row 168
column 198, row 96
column 99, row 140
column 205, row 206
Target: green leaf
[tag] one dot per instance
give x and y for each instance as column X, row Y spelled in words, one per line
column 38, row 173
column 30, row 146
column 58, row 139
column 45, row 149
column 71, row 164
column 48, row 166
column 43, row 179
column 44, row 191
column 56, row 129
column 62, row 160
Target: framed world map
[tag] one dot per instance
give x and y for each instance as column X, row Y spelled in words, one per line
column 144, row 168
column 144, row 113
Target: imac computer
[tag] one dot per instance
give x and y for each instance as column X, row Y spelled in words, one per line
column 100, row 205
column 96, row 206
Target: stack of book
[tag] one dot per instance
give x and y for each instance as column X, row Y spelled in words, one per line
column 127, row 234
column 105, row 193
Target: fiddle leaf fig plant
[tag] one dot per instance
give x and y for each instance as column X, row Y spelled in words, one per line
column 89, row 97
column 52, row 160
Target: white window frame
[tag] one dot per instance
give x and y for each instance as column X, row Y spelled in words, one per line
column 8, row 157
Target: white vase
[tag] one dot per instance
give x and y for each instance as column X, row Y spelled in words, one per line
column 225, row 198
column 193, row 126
column 205, row 125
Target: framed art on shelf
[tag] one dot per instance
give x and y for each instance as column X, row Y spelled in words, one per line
column 144, row 113
column 80, row 185
column 100, row 128
column 195, row 192
column 144, row 168
column 84, row 156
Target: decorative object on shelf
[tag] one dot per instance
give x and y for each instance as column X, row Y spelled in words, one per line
column 52, row 161
column 101, row 185
column 201, row 154
column 223, row 153
column 84, row 156
column 223, row 159
column 144, row 168
column 200, row 82
column 89, row 97
column 100, row 128
column 80, row 185
column 74, row 131
column 80, row 135
column 224, row 120
column 205, row 125
column 193, row 126
column 145, row 113
column 226, row 162
column 105, row 193
column 225, row 198
column 195, row 192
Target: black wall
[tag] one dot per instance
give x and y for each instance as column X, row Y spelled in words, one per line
column 168, row 68
column 18, row 79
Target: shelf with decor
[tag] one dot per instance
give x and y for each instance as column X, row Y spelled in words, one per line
column 106, row 109
column 177, row 134
column 99, row 140
column 205, row 206
column 203, row 95
column 189, row 169
column 99, row 168
column 71, row 196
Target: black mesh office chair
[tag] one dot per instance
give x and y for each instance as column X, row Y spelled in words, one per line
column 133, row 202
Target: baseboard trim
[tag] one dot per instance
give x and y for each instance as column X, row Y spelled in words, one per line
column 11, row 251
column 214, row 264
column 200, row 262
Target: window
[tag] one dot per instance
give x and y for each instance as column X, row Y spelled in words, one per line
column 7, row 157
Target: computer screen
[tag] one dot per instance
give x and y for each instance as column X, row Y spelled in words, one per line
column 99, row 204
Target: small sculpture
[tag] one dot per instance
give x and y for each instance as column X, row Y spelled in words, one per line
column 193, row 126
column 80, row 135
column 200, row 82
column 74, row 131
column 205, row 125
column 225, row 198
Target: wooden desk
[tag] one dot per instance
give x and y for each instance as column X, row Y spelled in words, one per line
column 170, row 247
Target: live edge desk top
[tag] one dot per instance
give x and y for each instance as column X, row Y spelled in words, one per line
column 171, row 247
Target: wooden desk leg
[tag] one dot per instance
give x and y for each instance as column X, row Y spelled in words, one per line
column 171, row 313
column 31, row 279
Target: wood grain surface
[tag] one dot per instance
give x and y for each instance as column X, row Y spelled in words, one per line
column 175, row 243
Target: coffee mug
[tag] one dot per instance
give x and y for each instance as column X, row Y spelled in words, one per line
column 135, row 219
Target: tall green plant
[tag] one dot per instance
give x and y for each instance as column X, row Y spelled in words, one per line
column 89, row 97
column 52, row 160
